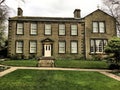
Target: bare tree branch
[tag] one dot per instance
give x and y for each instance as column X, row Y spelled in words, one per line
column 113, row 8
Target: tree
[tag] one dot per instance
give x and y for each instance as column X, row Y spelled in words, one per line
column 113, row 48
column 3, row 17
column 113, row 8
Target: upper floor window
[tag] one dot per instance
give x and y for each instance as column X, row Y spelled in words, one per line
column 47, row 29
column 74, row 47
column 19, row 46
column 33, row 30
column 98, row 27
column 61, row 29
column 97, row 45
column 19, row 28
column 33, row 46
column 73, row 29
column 62, row 47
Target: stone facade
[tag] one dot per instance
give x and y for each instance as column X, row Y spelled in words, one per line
column 84, row 34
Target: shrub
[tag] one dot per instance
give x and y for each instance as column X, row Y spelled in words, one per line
column 114, row 66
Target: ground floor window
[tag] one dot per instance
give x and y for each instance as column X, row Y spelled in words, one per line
column 61, row 46
column 19, row 46
column 33, row 46
column 74, row 47
column 97, row 45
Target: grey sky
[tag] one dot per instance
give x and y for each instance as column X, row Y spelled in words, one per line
column 53, row 8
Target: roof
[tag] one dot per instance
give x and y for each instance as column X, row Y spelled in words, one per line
column 54, row 19
column 100, row 11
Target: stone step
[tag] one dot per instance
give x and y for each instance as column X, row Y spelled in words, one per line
column 46, row 63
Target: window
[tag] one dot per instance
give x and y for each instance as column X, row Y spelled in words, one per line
column 33, row 29
column 62, row 47
column 33, row 45
column 98, row 27
column 97, row 46
column 73, row 29
column 19, row 28
column 47, row 29
column 95, row 27
column 61, row 29
column 74, row 47
column 19, row 47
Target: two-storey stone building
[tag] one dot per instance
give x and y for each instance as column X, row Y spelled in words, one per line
column 60, row 37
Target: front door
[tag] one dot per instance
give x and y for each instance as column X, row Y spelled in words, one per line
column 47, row 50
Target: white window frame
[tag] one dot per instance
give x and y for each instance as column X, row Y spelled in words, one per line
column 48, row 30
column 62, row 46
column 61, row 29
column 33, row 29
column 20, row 28
column 97, row 45
column 74, row 47
column 19, row 46
column 33, row 46
column 74, row 30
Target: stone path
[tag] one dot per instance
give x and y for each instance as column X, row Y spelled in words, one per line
column 105, row 72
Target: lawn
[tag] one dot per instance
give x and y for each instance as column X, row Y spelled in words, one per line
column 61, row 63
column 81, row 64
column 28, row 63
column 57, row 80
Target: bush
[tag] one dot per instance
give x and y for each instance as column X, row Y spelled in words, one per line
column 114, row 66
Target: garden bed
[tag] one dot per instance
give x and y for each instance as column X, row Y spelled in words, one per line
column 2, row 68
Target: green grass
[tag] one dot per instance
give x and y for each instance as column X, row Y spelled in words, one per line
column 29, row 63
column 81, row 64
column 57, row 80
column 61, row 63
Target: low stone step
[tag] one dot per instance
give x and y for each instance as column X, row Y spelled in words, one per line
column 46, row 63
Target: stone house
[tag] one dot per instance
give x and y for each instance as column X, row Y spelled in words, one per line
column 60, row 37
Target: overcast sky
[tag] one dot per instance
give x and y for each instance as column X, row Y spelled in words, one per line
column 53, row 8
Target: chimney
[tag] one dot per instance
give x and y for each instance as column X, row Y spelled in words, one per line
column 20, row 12
column 77, row 13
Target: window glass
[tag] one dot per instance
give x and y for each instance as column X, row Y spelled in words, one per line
column 95, row 27
column 62, row 47
column 61, row 29
column 97, row 46
column 73, row 29
column 33, row 28
column 74, row 47
column 19, row 28
column 32, row 46
column 19, row 47
column 101, row 27
column 47, row 29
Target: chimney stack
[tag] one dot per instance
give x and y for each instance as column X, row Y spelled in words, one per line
column 77, row 13
column 20, row 12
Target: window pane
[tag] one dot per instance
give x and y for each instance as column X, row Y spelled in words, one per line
column 61, row 29
column 61, row 47
column 19, row 47
column 33, row 28
column 101, row 27
column 73, row 47
column 73, row 29
column 19, row 28
column 92, row 48
column 97, row 46
column 47, row 29
column 95, row 27
column 33, row 46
